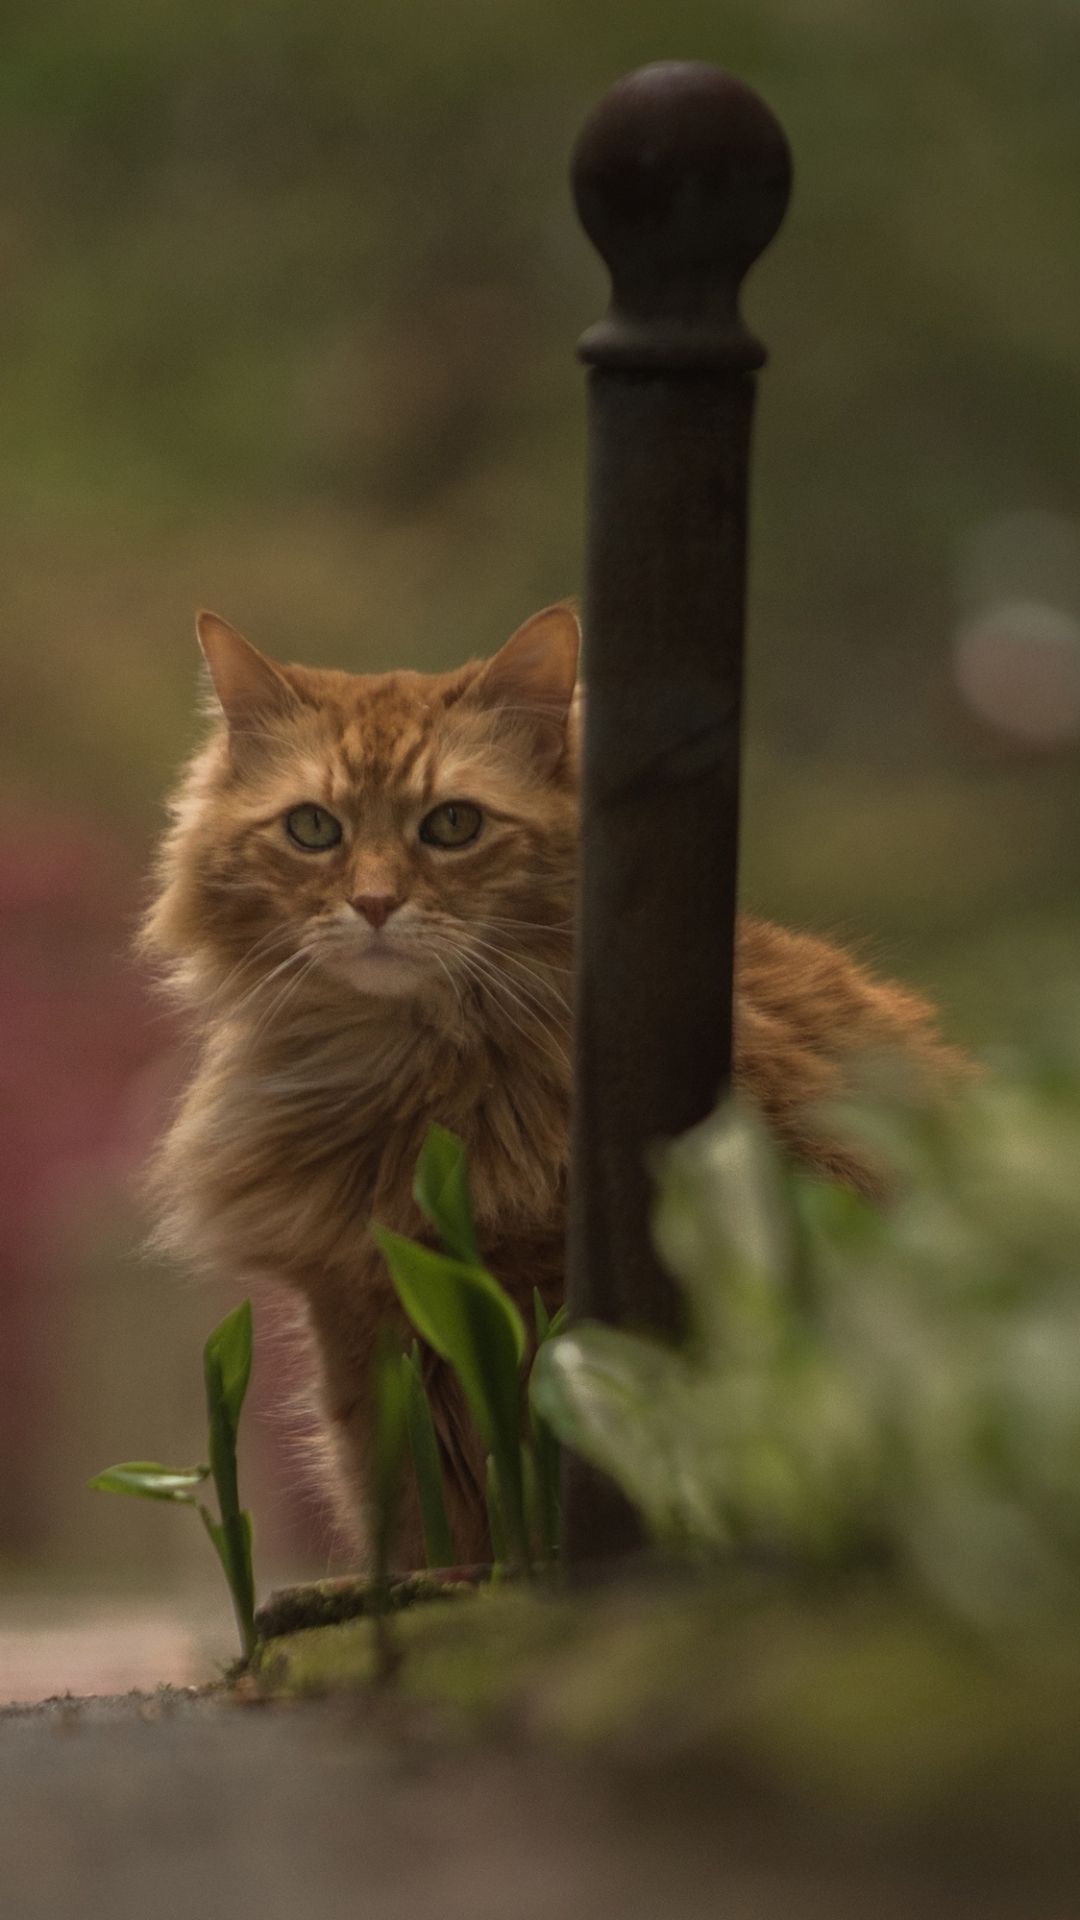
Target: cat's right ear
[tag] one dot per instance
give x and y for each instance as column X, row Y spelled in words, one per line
column 250, row 688
column 532, row 678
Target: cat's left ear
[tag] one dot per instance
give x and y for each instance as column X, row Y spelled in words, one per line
column 533, row 677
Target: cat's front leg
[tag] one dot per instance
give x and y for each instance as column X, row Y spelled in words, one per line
column 347, row 1320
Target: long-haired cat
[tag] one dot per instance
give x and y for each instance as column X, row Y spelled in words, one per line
column 366, row 899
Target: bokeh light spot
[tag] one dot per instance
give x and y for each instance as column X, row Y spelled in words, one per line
column 1018, row 667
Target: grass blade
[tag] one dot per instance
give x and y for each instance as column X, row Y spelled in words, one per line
column 227, row 1368
column 464, row 1314
column 438, row 1540
column 233, row 1540
column 545, row 1504
column 496, row 1522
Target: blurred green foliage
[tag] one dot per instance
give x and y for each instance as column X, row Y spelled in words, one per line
column 895, row 1386
column 288, row 298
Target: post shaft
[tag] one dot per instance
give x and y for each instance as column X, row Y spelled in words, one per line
column 681, row 177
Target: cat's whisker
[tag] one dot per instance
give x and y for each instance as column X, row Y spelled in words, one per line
column 465, row 937
column 494, row 955
column 515, row 960
column 236, row 979
column 493, row 990
column 264, row 980
column 455, row 989
column 496, row 983
column 516, row 939
column 549, row 1007
column 275, row 936
column 268, row 979
column 532, row 926
column 286, row 993
column 546, row 993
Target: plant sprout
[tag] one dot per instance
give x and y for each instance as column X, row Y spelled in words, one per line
column 462, row 1312
column 438, row 1541
column 227, row 1369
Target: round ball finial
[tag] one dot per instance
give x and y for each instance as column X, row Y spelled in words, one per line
column 681, row 178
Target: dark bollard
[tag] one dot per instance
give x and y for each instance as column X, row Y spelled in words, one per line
column 681, row 178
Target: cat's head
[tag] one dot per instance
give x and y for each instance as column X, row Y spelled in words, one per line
column 398, row 834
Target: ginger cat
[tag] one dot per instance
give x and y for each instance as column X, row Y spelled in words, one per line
column 366, row 900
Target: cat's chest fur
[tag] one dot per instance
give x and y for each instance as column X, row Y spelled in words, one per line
column 286, row 1148
column 288, row 1143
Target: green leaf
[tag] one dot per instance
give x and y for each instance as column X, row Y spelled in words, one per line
column 546, row 1328
column 464, row 1314
column 773, row 1453
column 543, row 1488
column 622, row 1402
column 217, row 1534
column 438, row 1540
column 151, row 1481
column 227, row 1367
column 437, row 1293
column 441, row 1188
column 545, row 1506
column 721, row 1227
column 227, row 1361
column 496, row 1517
column 222, row 1442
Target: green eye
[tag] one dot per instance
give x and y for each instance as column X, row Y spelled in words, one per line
column 312, row 828
column 451, row 826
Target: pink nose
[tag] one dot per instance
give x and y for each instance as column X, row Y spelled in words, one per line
column 376, row 907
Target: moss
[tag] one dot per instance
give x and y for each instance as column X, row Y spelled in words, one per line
column 474, row 1656
column 866, row 1708
column 327, row 1603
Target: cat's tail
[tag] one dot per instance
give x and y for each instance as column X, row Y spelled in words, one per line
column 810, row 1023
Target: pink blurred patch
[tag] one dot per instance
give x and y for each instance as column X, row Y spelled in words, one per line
column 89, row 1059
column 78, row 1030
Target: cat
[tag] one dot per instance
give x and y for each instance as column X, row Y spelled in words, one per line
column 366, row 899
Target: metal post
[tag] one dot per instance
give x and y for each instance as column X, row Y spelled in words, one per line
column 681, row 178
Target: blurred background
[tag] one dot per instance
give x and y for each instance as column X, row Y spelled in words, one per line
column 288, row 301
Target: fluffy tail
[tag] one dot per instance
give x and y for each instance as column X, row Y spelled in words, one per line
column 808, row 1022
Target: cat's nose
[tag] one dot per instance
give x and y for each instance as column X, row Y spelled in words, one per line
column 376, row 907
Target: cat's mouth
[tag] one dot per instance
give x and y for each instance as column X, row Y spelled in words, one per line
column 379, row 960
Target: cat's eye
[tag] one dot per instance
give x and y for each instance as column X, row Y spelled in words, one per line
column 452, row 825
column 312, row 828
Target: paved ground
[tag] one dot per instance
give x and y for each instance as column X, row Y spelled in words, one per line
column 173, row 1807
column 85, row 1641
column 113, row 1653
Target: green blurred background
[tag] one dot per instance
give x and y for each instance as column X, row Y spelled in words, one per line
column 288, row 301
